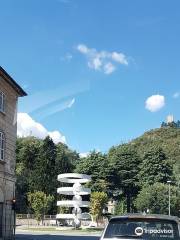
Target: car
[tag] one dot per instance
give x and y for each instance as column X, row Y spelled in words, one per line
column 141, row 226
column 93, row 225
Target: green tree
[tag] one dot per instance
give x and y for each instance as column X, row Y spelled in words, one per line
column 44, row 175
column 176, row 171
column 66, row 159
column 40, row 203
column 156, row 198
column 21, row 188
column 124, row 167
column 155, row 167
column 27, row 150
column 163, row 124
column 168, row 139
column 98, row 202
column 96, row 165
column 120, row 207
column 38, row 162
column 115, row 173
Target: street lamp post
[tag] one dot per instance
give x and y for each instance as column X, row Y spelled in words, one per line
column 169, row 182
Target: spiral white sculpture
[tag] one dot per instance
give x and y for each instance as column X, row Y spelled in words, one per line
column 76, row 191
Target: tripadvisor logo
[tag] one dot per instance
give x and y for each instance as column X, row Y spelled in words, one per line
column 139, row 231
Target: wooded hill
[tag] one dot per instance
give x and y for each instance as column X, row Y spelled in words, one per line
column 127, row 171
column 167, row 138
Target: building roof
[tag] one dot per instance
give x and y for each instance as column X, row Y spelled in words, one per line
column 12, row 82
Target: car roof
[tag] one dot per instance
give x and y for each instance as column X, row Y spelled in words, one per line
column 146, row 216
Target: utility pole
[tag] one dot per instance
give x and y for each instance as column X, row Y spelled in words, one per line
column 169, row 182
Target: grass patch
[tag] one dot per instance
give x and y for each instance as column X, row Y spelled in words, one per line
column 40, row 228
column 92, row 230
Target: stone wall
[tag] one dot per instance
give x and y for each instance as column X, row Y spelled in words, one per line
column 8, row 126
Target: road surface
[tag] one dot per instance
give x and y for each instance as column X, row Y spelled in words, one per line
column 53, row 237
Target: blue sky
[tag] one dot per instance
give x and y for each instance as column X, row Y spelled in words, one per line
column 89, row 67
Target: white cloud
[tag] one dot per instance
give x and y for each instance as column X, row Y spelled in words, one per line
column 57, row 137
column 109, row 68
column 26, row 126
column 83, row 155
column 155, row 103
column 120, row 58
column 102, row 61
column 82, row 48
column 95, row 63
column 176, row 95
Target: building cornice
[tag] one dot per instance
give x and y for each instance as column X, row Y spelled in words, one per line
column 12, row 82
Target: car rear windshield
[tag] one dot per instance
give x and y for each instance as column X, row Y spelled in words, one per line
column 126, row 228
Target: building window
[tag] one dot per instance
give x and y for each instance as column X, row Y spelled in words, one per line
column 2, row 140
column 2, row 102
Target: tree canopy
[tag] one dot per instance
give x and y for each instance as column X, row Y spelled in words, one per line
column 122, row 173
column 155, row 198
column 98, row 202
column 40, row 203
column 38, row 164
column 155, row 167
